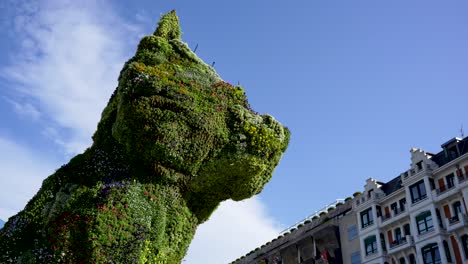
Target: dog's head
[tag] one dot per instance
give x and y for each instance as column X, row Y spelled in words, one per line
column 176, row 117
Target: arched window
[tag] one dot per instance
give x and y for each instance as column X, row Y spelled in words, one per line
column 447, row 251
column 412, row 259
column 402, row 261
column 464, row 240
column 431, row 254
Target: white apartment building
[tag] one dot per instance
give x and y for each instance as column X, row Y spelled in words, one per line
column 421, row 215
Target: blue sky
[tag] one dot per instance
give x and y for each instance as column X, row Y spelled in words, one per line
column 357, row 82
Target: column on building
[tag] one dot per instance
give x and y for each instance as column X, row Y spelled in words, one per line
column 379, row 242
column 427, row 185
column 374, row 213
column 418, row 254
column 298, row 254
column 465, row 199
column 435, row 220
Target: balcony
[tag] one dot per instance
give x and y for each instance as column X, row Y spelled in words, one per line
column 444, row 192
column 385, row 217
column 363, row 199
column 463, row 179
column 397, row 211
column 395, row 214
column 424, row 170
column 371, row 253
column 457, row 221
column 444, row 189
column 401, row 244
column 366, row 225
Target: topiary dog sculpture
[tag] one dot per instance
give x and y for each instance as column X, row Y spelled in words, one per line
column 173, row 142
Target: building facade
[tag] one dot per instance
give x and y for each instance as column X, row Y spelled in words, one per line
column 421, row 215
column 418, row 217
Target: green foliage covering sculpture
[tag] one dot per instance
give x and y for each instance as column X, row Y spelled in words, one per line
column 173, row 142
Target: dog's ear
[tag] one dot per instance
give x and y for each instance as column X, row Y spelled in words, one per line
column 168, row 26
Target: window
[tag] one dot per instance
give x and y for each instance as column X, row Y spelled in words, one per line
column 464, row 239
column 379, row 210
column 402, row 261
column 419, row 165
column 398, row 234
column 387, row 213
column 432, row 183
column 452, row 152
column 450, row 180
column 382, row 242
column 406, row 229
column 439, row 217
column 352, row 232
column 412, row 259
column 424, row 222
column 366, row 218
column 402, row 204
column 418, row 191
column 457, row 209
column 394, row 207
column 356, row 258
column 370, row 245
column 431, row 254
column 447, row 251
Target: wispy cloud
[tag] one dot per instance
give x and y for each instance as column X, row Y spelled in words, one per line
column 68, row 62
column 21, row 174
column 26, row 110
column 233, row 230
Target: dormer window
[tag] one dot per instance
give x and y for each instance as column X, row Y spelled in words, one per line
column 419, row 165
column 451, row 149
column 452, row 152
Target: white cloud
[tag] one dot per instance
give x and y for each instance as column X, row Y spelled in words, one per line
column 26, row 110
column 21, row 175
column 69, row 60
column 233, row 230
